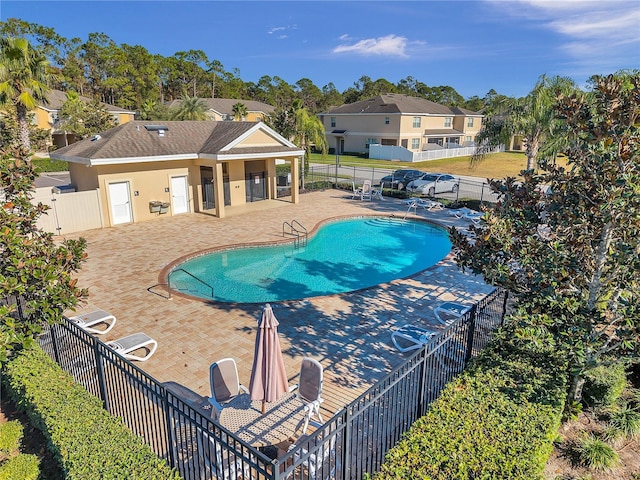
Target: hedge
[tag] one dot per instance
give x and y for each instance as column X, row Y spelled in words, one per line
column 497, row 420
column 88, row 442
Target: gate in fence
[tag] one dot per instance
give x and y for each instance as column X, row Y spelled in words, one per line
column 349, row 445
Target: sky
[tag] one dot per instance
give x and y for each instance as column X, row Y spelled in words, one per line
column 473, row 46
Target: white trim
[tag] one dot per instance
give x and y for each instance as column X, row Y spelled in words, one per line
column 124, row 160
column 252, row 156
column 258, row 126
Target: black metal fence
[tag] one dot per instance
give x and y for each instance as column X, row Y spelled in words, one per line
column 352, row 443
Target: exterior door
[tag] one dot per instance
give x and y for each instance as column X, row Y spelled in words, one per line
column 120, row 198
column 179, row 194
column 206, row 180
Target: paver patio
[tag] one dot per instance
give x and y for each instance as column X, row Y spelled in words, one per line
column 350, row 334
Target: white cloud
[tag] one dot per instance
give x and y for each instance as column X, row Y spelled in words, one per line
column 390, row 45
column 602, row 34
column 273, row 30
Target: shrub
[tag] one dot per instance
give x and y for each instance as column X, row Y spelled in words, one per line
column 594, row 453
column 10, row 436
column 87, row 441
column 497, row 420
column 626, row 420
column 23, row 467
column 604, row 384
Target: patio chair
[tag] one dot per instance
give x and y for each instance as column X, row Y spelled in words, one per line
column 464, row 212
column 322, row 460
column 224, row 381
column 357, row 192
column 409, row 337
column 448, row 312
column 131, row 344
column 310, row 390
column 366, row 190
column 377, row 192
column 87, row 321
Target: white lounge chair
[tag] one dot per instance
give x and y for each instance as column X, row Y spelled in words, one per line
column 448, row 312
column 409, row 337
column 366, row 190
column 357, row 192
column 224, row 381
column 87, row 321
column 310, row 389
column 129, row 345
column 466, row 213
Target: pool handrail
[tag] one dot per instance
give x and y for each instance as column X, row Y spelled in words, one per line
column 298, row 232
column 191, row 275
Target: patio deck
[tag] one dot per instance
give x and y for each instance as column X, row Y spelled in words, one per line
column 350, row 334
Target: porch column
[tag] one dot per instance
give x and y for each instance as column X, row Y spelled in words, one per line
column 218, row 181
column 295, row 180
column 272, row 180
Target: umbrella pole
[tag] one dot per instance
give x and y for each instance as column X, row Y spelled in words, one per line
column 262, row 406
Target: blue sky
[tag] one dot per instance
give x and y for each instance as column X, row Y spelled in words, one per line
column 473, row 46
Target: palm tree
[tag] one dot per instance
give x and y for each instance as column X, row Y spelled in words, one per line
column 191, row 108
column 239, row 111
column 308, row 132
column 531, row 117
column 24, row 80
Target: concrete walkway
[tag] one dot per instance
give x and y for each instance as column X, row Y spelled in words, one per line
column 350, row 334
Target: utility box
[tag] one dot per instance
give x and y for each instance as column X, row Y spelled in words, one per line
column 63, row 189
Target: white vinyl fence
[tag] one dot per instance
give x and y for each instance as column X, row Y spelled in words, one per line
column 69, row 212
column 390, row 152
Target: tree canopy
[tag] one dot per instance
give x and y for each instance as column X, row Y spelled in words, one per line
column 566, row 241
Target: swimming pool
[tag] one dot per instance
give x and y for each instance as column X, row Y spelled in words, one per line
column 343, row 256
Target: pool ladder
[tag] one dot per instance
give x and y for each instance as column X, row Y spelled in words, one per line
column 202, row 282
column 295, row 229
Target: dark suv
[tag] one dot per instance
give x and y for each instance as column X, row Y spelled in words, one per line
column 400, row 178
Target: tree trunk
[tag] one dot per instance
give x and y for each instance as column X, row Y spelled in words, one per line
column 532, row 153
column 575, row 390
column 601, row 260
column 23, row 127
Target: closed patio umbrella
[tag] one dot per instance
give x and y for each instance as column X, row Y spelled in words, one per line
column 268, row 375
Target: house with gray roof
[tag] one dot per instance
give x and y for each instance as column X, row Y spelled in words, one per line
column 400, row 120
column 47, row 116
column 143, row 169
column 222, row 109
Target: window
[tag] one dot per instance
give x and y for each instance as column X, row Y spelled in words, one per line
column 386, row 120
column 333, row 122
column 470, row 122
column 467, row 138
column 416, row 122
column 370, row 141
column 415, row 143
column 447, row 121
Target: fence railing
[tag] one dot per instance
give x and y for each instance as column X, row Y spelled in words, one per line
column 353, row 442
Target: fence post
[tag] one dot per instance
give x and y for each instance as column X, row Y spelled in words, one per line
column 504, row 306
column 482, row 193
column 423, row 383
column 165, row 406
column 100, row 371
column 54, row 343
column 346, row 444
column 337, row 165
column 471, row 334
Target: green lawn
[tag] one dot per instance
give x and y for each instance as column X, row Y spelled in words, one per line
column 497, row 165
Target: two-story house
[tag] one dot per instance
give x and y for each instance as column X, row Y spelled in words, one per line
column 219, row 109
column 401, row 120
column 47, row 116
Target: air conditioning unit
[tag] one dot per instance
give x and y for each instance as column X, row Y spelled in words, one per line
column 63, row 189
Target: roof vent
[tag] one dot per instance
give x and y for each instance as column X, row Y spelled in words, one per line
column 95, row 138
column 161, row 129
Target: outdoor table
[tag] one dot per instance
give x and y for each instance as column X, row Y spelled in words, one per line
column 277, row 424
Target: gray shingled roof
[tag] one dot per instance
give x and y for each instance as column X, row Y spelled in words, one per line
column 57, row 98
column 225, row 105
column 398, row 103
column 133, row 140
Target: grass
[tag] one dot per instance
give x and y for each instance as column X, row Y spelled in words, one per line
column 497, row 165
column 596, row 454
column 48, row 165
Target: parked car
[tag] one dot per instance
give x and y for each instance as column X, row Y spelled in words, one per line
column 400, row 178
column 432, row 183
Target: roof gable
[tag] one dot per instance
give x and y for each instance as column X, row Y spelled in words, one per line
column 397, row 103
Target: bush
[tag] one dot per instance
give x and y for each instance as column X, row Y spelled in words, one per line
column 23, row 467
column 604, row 384
column 594, row 453
column 10, row 436
column 626, row 420
column 498, row 420
column 87, row 441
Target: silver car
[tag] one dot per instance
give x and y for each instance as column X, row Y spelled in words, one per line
column 432, row 183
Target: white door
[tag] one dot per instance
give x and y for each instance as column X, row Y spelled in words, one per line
column 179, row 189
column 120, row 202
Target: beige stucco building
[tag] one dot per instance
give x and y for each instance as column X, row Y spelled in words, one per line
column 47, row 116
column 143, row 169
column 219, row 109
column 393, row 119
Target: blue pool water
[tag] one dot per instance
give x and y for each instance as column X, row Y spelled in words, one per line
column 341, row 257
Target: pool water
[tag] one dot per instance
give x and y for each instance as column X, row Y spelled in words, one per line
column 342, row 256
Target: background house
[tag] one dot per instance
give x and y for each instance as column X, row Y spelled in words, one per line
column 190, row 166
column 222, row 108
column 400, row 120
column 47, row 116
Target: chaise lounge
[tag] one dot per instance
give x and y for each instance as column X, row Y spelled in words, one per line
column 87, row 321
column 409, row 337
column 129, row 345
